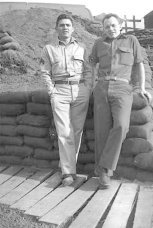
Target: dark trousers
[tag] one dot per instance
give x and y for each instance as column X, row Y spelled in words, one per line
column 112, row 110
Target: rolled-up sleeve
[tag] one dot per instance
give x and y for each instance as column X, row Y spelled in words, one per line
column 93, row 58
column 137, row 51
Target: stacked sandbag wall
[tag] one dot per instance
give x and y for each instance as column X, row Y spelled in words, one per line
column 26, row 134
column 137, row 148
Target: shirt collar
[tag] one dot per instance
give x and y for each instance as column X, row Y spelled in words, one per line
column 58, row 42
column 118, row 37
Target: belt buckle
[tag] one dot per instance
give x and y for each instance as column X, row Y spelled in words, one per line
column 73, row 82
column 113, row 78
column 69, row 82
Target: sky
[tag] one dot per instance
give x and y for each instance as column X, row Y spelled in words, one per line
column 129, row 8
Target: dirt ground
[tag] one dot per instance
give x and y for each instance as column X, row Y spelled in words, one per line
column 32, row 29
column 11, row 218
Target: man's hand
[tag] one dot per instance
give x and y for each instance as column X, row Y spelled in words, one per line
column 146, row 94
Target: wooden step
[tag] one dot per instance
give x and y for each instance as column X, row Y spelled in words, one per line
column 38, row 193
column 35, row 178
column 63, row 213
column 54, row 198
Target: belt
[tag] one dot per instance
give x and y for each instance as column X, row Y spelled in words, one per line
column 69, row 82
column 113, row 78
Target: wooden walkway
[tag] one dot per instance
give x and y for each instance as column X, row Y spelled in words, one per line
column 83, row 205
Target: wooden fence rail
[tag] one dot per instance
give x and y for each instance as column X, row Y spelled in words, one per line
column 134, row 20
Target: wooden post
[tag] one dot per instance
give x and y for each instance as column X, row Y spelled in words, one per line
column 126, row 28
column 125, row 23
column 134, row 25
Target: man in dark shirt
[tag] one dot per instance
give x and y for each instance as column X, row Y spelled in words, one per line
column 115, row 54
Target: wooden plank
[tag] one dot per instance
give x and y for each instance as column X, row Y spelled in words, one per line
column 13, row 182
column 51, row 200
column 63, row 213
column 122, row 206
column 91, row 214
column 2, row 168
column 8, row 173
column 36, row 194
column 31, row 183
column 144, row 209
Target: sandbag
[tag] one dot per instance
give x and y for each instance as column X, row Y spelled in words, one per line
column 140, row 117
column 126, row 172
column 53, row 133
column 54, row 164
column 89, row 124
column 7, row 39
column 84, row 138
column 41, row 163
column 21, row 151
column 127, row 161
column 79, row 167
column 14, row 45
column 40, row 96
column 90, row 111
column 39, row 109
column 29, row 161
column 52, row 123
column 38, row 142
column 91, row 145
column 32, row 131
column 44, row 154
column 139, row 102
column 15, row 97
column 86, row 158
column 5, row 120
column 3, row 34
column 83, row 148
column 33, row 120
column 150, row 139
column 12, row 109
column 135, row 146
column 90, row 135
column 144, row 161
column 8, row 130
column 132, row 173
column 2, row 150
column 89, row 168
column 55, row 144
column 141, row 131
column 11, row 160
column 11, row 140
column 36, row 163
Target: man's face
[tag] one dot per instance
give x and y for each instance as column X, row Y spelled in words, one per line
column 64, row 28
column 112, row 27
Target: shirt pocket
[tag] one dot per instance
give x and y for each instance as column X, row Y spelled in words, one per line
column 57, row 60
column 126, row 56
column 56, row 65
column 104, row 58
column 78, row 61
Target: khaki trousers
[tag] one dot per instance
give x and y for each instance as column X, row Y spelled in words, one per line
column 70, row 106
column 112, row 109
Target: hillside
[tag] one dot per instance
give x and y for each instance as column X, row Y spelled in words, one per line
column 33, row 29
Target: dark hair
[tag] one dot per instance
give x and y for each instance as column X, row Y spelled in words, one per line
column 63, row 16
column 107, row 16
